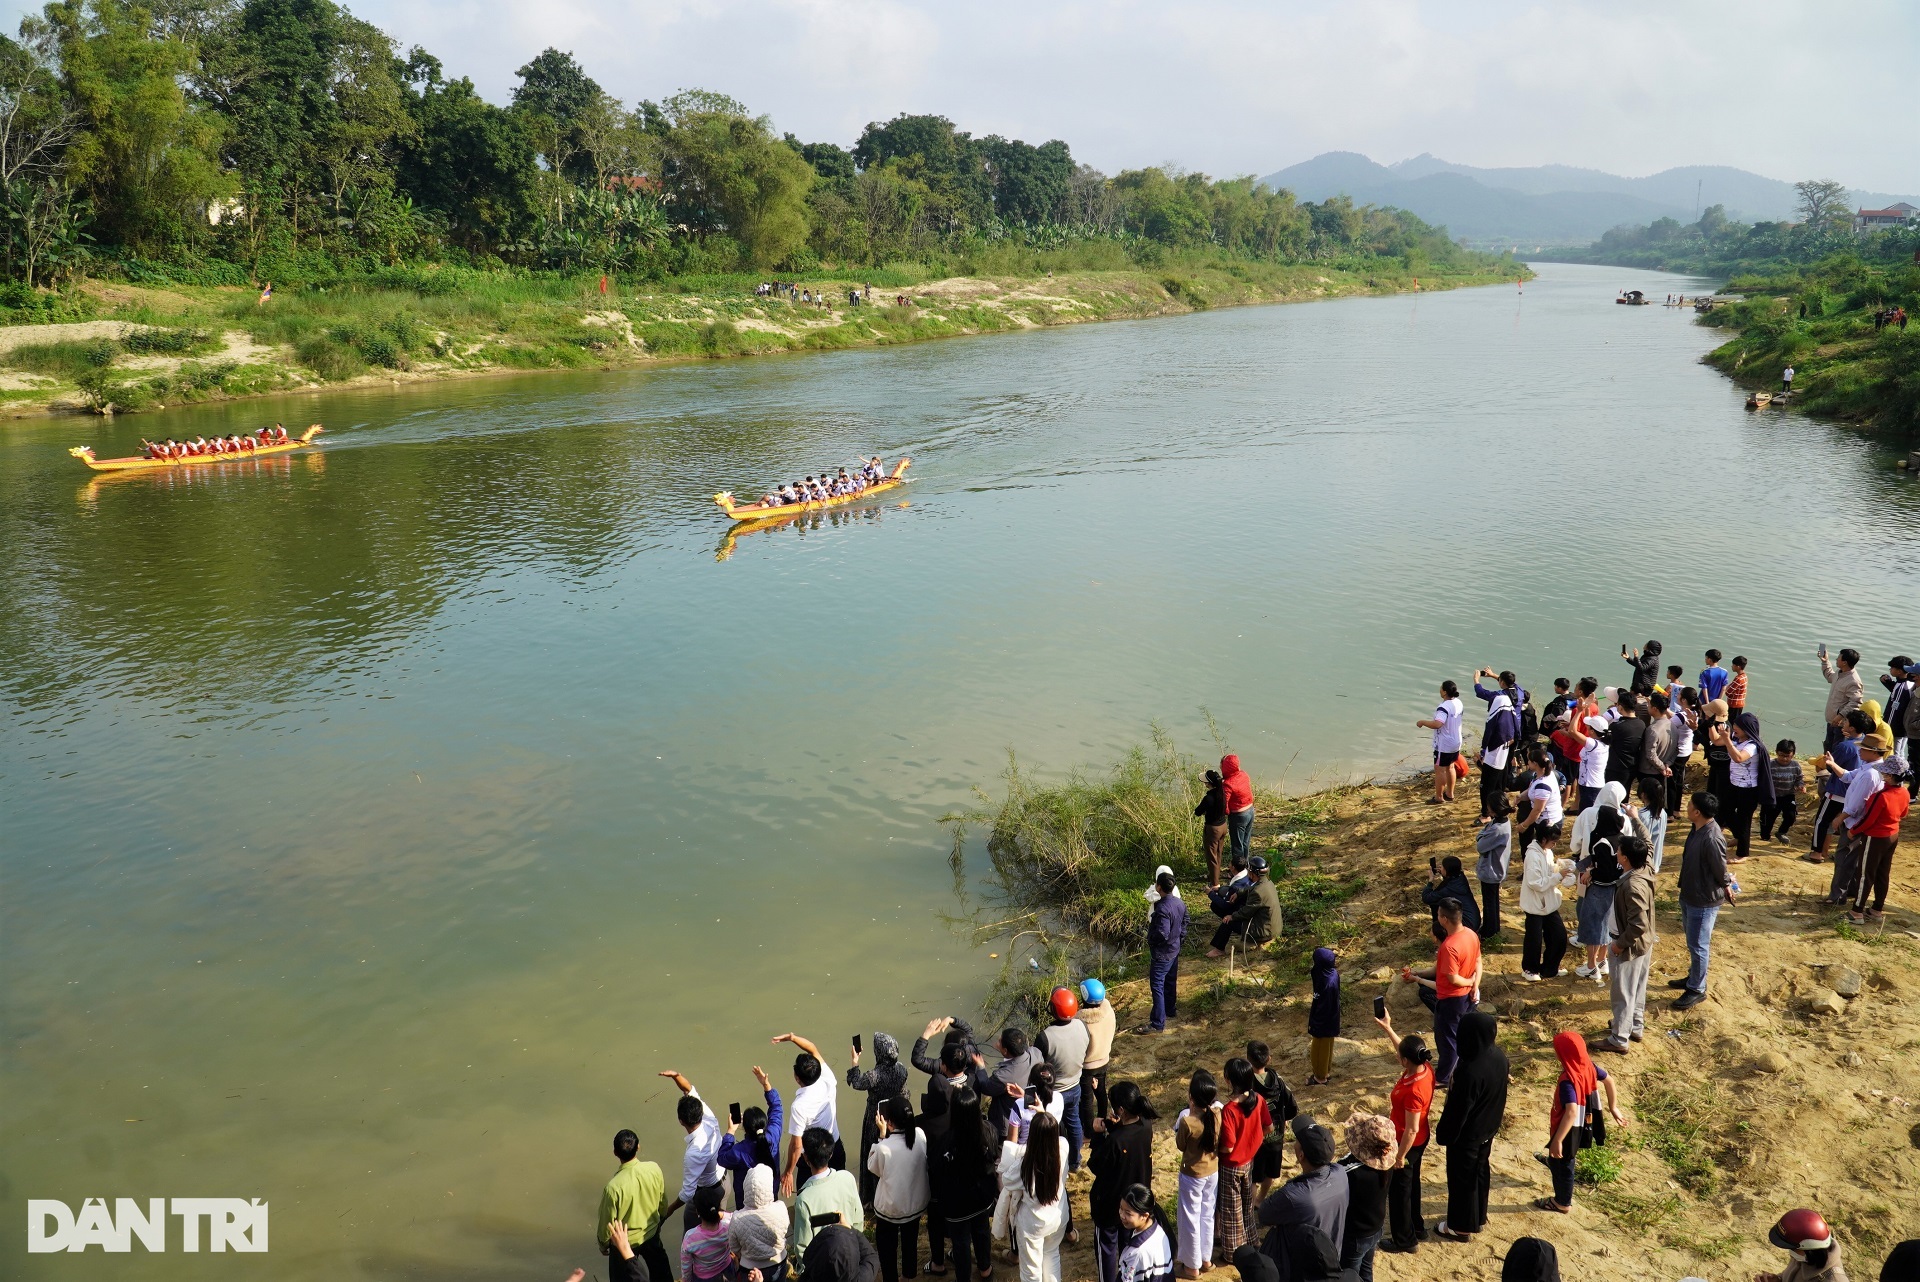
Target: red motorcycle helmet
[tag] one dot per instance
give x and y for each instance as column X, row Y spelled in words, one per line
column 1066, row 1004
column 1801, row 1230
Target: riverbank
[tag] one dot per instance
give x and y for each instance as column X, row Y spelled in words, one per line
column 1790, row 1085
column 146, row 348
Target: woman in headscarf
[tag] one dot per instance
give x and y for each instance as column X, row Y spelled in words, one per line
column 1323, row 1017
column 1476, row 1105
column 1573, row 1094
column 887, row 1079
column 1530, row 1259
column 757, row 1232
column 1749, row 781
column 1872, row 708
column 1599, row 869
column 1497, row 738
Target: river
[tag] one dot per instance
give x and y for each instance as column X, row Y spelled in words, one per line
column 377, row 825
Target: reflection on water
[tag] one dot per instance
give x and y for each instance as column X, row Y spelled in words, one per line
column 801, row 524
column 378, row 821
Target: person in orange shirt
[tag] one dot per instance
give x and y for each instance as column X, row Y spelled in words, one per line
column 1452, row 988
column 1736, row 695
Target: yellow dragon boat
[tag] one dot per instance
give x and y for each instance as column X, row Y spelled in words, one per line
column 754, row 512
column 138, row 463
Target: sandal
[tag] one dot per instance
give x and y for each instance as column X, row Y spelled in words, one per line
column 1548, row 1204
column 1448, row 1232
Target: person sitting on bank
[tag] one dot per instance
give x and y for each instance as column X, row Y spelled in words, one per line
column 1254, row 920
column 1815, row 1251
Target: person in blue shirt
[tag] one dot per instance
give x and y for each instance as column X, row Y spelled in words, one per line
column 1166, row 930
column 1713, row 678
column 759, row 1140
column 1833, row 790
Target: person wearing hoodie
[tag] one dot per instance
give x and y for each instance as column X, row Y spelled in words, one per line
column 1097, row 1013
column 1212, row 813
column 1238, row 786
column 839, row 1254
column 1812, row 1248
column 1166, row 931
column 963, row 1176
column 886, row 1080
column 1530, row 1259
column 898, row 1164
column 1498, row 737
column 1323, row 1017
column 757, row 1232
column 1447, row 879
column 1543, row 878
column 1476, row 1105
column 1573, row 1095
column 1645, row 663
column 1495, row 846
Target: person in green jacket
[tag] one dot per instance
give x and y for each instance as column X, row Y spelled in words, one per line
column 1257, row 917
column 636, row 1196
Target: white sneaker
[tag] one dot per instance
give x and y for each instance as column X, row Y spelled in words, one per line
column 1583, row 971
column 1527, row 976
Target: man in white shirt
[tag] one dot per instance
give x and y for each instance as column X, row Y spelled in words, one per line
column 815, row 1103
column 700, row 1168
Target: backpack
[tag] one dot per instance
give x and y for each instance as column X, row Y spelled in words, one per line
column 1529, row 720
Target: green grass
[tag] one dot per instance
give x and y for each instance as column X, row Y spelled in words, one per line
column 1597, row 1166
column 1681, row 1125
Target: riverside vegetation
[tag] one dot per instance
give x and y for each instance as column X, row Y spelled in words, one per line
column 1736, row 1108
column 160, row 164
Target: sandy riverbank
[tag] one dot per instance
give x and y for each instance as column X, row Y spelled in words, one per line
column 1775, row 1092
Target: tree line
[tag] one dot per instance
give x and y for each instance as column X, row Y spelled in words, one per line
column 247, row 140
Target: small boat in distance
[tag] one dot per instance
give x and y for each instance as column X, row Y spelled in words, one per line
column 755, row 512
column 1633, row 298
column 141, row 463
column 1759, row 400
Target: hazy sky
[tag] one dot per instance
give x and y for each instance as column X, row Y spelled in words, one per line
column 1231, row 86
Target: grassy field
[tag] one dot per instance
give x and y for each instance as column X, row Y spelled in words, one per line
column 131, row 348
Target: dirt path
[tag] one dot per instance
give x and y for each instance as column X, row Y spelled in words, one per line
column 1775, row 1092
column 12, row 336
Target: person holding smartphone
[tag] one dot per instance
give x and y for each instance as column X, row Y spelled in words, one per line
column 886, row 1080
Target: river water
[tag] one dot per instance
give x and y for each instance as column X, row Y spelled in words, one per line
column 377, row 823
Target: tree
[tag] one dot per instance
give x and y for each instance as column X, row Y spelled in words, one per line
column 556, row 96
column 1029, row 184
column 468, row 159
column 728, row 173
column 1821, row 202
column 144, row 154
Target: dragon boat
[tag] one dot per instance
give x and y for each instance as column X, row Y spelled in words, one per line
column 754, row 512
column 139, row 463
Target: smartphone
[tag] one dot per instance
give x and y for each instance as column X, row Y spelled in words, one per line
column 733, row 1111
column 858, row 1049
column 1823, row 649
column 1379, row 1012
column 1033, row 1098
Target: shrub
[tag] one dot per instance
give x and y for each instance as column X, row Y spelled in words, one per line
column 1597, row 1166
column 330, row 358
column 100, row 352
column 169, row 341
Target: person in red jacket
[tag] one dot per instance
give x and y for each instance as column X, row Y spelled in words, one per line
column 1239, row 786
column 1879, row 831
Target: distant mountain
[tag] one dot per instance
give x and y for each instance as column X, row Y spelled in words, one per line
column 1546, row 204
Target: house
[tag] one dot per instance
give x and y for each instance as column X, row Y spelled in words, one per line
column 1896, row 215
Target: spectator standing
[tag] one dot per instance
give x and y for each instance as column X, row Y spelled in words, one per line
column 1573, row 1095
column 1064, row 1044
column 1543, row 878
column 1452, row 988
column 1238, row 786
column 1900, row 684
column 700, row 1167
column 1789, row 781
column 1097, row 1013
column 1447, row 879
column 1323, row 1017
column 636, row 1199
column 1244, row 1126
column 1270, row 1159
column 757, row 1233
column 758, row 1143
column 1318, row 1196
column 886, row 1080
column 705, row 1255
column 1845, row 754
column 1844, row 690
column 1166, row 931
column 1122, row 1158
column 1705, row 887
column 898, row 1164
column 839, row 1254
column 1645, row 663
column 1498, row 737
column 1212, row 813
column 1713, row 678
column 1196, row 1136
column 1878, row 832
column 963, row 1176
column 1590, row 744
column 1749, row 781
column 826, row 1192
column 1018, row 1059
column 1685, row 715
column 1542, row 796
column 1409, row 1105
column 1495, row 847
column 1476, row 1105
column 1445, row 724
column 1659, row 753
column 1368, row 1164
column 1736, row 695
column 1652, row 815
column 1032, row 1213
column 1530, row 1259
column 1631, row 949
column 1598, row 871
column 816, row 1100
column 1146, row 1253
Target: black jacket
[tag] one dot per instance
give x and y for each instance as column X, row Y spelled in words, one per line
column 1123, row 1155
column 1624, row 742
column 1213, row 806
column 1456, row 888
column 839, row 1254
column 1477, row 1102
column 1366, row 1200
column 961, row 1197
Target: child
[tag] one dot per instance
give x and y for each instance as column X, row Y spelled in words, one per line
column 1676, row 677
column 1323, row 1018
column 1713, row 677
column 1789, row 780
column 1196, row 1134
column 1736, row 695
column 704, row 1253
column 1281, row 1109
column 1145, row 1253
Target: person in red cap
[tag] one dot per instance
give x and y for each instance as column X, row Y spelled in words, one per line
column 1804, row 1235
column 1064, row 1044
